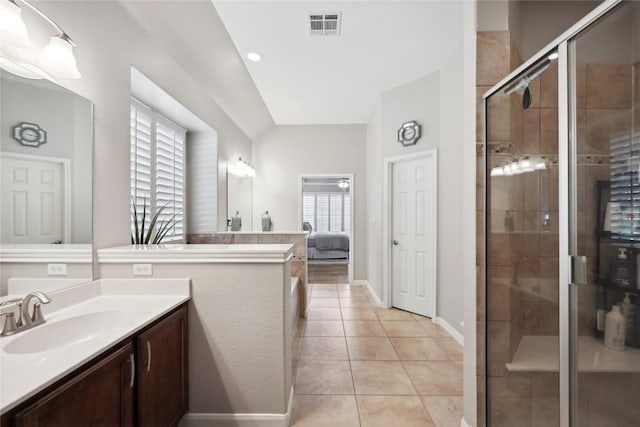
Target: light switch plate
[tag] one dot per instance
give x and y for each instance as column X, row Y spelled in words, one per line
column 142, row 270
column 57, row 269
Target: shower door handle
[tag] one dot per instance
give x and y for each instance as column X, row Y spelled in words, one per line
column 578, row 269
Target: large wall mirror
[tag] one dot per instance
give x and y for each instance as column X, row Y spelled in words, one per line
column 239, row 200
column 46, row 221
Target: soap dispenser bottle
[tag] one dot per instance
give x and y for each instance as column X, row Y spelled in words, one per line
column 623, row 272
column 236, row 222
column 628, row 311
column 614, row 329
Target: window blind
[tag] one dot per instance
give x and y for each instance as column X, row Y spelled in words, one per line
column 335, row 212
column 309, row 209
column 625, row 186
column 327, row 211
column 141, row 155
column 157, row 168
column 169, row 182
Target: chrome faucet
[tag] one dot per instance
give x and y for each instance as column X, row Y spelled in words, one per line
column 25, row 320
column 29, row 321
column 8, row 310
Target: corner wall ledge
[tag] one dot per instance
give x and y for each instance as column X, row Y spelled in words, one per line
column 197, row 254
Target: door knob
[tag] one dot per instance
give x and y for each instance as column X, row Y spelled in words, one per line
column 395, row 243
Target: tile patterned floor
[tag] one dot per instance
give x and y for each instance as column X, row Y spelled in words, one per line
column 358, row 365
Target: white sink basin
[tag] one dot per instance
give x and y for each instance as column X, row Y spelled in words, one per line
column 69, row 332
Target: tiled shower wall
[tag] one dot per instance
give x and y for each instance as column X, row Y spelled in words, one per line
column 523, row 222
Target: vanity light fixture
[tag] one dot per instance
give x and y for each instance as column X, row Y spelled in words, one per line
column 241, row 168
column 524, row 165
column 19, row 56
column 254, row 56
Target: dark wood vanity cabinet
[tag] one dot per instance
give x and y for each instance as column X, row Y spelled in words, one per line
column 101, row 395
column 143, row 382
column 163, row 372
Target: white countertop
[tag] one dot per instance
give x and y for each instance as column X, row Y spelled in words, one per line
column 22, row 375
column 540, row 354
column 38, row 253
column 197, row 253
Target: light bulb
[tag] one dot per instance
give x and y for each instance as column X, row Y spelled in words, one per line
column 254, row 56
column 57, row 58
column 13, row 31
column 515, row 168
column 525, row 165
column 497, row 171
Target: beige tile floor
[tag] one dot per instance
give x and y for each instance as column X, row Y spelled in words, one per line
column 358, row 365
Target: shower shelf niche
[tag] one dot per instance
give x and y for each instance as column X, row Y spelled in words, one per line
column 540, row 354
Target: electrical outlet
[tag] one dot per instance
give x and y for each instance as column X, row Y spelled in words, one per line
column 57, row 269
column 142, row 270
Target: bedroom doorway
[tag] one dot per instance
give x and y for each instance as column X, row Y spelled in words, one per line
column 326, row 212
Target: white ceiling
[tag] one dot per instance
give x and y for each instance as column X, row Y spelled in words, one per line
column 191, row 31
column 306, row 79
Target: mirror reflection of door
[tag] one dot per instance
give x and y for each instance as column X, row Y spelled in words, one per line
column 327, row 216
column 32, row 200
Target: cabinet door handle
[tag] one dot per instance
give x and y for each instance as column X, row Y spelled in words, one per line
column 148, row 356
column 132, row 361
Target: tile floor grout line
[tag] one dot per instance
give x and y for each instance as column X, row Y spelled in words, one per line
column 353, row 381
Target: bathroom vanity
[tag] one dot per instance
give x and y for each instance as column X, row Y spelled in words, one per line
column 112, row 352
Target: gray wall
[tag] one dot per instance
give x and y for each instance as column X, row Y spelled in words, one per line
column 286, row 152
column 109, row 42
column 435, row 101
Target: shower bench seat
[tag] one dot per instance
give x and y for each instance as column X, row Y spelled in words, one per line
column 540, row 354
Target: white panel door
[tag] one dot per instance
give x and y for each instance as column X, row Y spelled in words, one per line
column 32, row 198
column 413, row 235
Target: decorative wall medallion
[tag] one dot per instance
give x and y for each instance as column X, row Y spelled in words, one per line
column 409, row 133
column 29, row 134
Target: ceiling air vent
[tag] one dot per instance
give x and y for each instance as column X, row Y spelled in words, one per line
column 324, row 24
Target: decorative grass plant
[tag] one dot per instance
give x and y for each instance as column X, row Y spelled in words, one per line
column 152, row 235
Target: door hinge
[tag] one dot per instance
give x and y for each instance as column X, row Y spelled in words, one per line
column 578, row 270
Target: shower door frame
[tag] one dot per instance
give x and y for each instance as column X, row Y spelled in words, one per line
column 567, row 212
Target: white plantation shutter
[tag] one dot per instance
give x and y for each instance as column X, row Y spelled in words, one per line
column 346, row 213
column 157, row 168
column 141, row 155
column 327, row 211
column 322, row 212
column 169, row 183
column 625, row 186
column 309, row 209
column 335, row 212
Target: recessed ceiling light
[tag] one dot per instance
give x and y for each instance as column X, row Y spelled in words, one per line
column 253, row 56
column 553, row 56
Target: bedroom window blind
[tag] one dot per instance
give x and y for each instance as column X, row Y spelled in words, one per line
column 157, row 167
column 327, row 211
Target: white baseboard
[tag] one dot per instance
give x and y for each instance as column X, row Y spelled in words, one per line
column 464, row 423
column 450, row 329
column 374, row 296
column 239, row 420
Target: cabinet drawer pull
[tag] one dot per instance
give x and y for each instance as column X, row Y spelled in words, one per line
column 148, row 356
column 133, row 370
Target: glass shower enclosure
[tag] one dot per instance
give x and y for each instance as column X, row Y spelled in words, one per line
column 561, row 278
